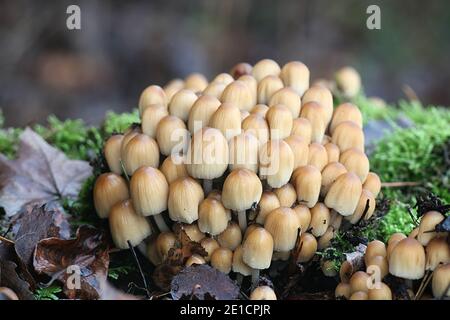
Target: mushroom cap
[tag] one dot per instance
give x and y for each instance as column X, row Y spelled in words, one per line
column 348, row 81
column 329, row 175
column 126, row 225
column 231, row 238
column 252, row 84
column 172, row 87
column 375, row 248
column 359, row 282
column 243, row 151
column 286, row 194
column 164, row 242
column 344, row 194
column 109, row 189
column 227, row 119
column 394, row 239
column 365, row 197
column 322, row 96
column 348, row 135
column 343, row 290
column 317, row 156
column 264, row 68
column 239, row 265
column 112, row 152
column 149, row 191
column 258, row 249
column 173, row 167
column 289, row 98
column 151, row 117
column 300, row 149
column 407, row 260
column 372, row 183
column 185, row 195
column 427, row 224
column 437, row 252
column 181, row 104
column 222, row 260
column 276, row 163
column 307, row 184
column 212, row 216
column 140, row 151
column 193, row 232
column 267, row 88
column 207, row 156
column 333, row 152
column 215, row 89
column 241, row 69
column 283, row 225
column 239, row 94
column 383, row 292
column 268, row 202
column 377, row 264
column 280, row 120
column 263, row 293
column 325, row 239
column 296, row 75
column 195, row 259
column 346, row 112
column 256, row 125
column 152, row 95
column 195, row 82
column 129, row 134
column 320, row 219
column 260, row 110
column 440, row 281
column 359, row 295
column 317, row 115
column 304, row 216
column 308, row 248
column 224, row 78
column 355, row 161
column 335, row 219
column 201, row 112
column 302, row 127
column 210, row 245
column 241, row 190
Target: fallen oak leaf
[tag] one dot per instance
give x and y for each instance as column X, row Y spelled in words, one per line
column 202, row 282
column 86, row 255
column 41, row 174
column 34, row 224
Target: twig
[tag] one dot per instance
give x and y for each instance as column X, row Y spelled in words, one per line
column 400, row 184
column 6, row 240
column 140, row 268
column 423, row 285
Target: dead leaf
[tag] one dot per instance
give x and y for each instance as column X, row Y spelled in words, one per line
column 9, row 278
column 176, row 259
column 41, row 174
column 61, row 259
column 35, row 224
column 202, row 282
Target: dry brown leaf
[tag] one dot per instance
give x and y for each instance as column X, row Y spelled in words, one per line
column 41, row 174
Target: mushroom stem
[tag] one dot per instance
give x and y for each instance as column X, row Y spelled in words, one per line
column 242, row 217
column 160, row 223
column 207, row 186
column 144, row 281
column 255, row 277
column 239, row 279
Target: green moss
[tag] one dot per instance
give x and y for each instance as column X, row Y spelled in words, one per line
column 119, row 122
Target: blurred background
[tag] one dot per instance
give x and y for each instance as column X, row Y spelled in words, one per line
column 126, row 45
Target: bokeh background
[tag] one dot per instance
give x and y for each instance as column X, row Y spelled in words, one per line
column 126, row 45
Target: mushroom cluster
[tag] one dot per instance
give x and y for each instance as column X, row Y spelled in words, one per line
column 423, row 255
column 249, row 164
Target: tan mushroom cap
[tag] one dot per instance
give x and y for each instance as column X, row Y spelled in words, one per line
column 344, row 194
column 264, row 68
column 296, row 76
column 302, row 127
column 210, row 245
column 152, row 95
column 267, row 88
column 440, row 281
column 181, row 104
column 366, row 199
column 372, row 183
column 126, row 225
column 333, row 152
column 149, row 191
column 437, row 252
column 260, row 110
column 317, row 156
column 241, row 190
column 243, row 151
column 239, row 94
column 268, row 202
column 241, row 69
column 222, row 260
column 329, row 175
column 256, row 125
column 407, row 260
column 307, row 184
column 227, row 119
column 112, row 152
column 172, row 87
column 193, row 232
column 207, row 155
column 346, row 112
column 280, row 120
column 215, row 89
column 348, row 135
column 300, row 149
column 304, row 216
column 109, row 189
column 164, row 242
column 343, row 290
column 140, row 151
column 377, row 264
column 151, row 117
column 317, row 115
column 283, row 225
column 263, row 293
column 231, row 238
column 239, row 265
column 213, row 217
column 307, row 248
column 289, row 98
column 258, row 249
column 276, row 163
column 195, row 82
column 348, row 81
column 383, row 292
column 375, row 248
column 359, row 282
column 427, row 225
column 323, row 96
column 356, row 161
column 320, row 219
column 185, row 195
column 173, row 168
column 201, row 112
column 286, row 194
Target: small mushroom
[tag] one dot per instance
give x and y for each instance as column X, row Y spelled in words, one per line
column 263, row 293
column 296, row 76
column 222, row 260
column 289, row 98
column 322, row 96
column 407, row 260
column 355, row 161
column 195, row 82
column 317, row 156
column 181, row 104
column 283, row 225
column 256, row 125
column 173, row 168
column 267, row 88
column 307, row 248
column 151, row 117
column 302, row 127
column 257, row 251
column 317, row 115
column 276, row 163
column 227, row 119
column 307, row 184
column 372, row 183
column 427, row 226
column 232, row 236
column 109, row 189
column 213, row 217
column 344, row 194
column 279, row 118
column 185, row 195
column 140, row 151
column 300, row 149
column 239, row 94
column 286, row 194
column 112, row 152
column 268, row 202
column 440, row 283
column 320, row 219
column 201, row 113
column 152, row 95
column 264, row 68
